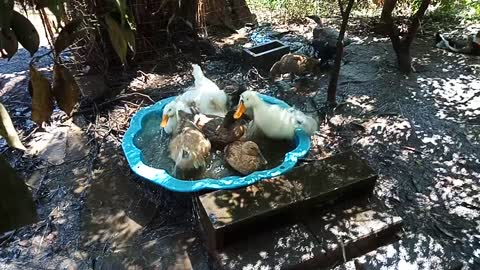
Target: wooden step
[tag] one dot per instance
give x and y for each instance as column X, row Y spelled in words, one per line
column 227, row 214
column 314, row 242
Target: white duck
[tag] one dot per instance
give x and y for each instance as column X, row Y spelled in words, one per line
column 171, row 117
column 274, row 121
column 205, row 95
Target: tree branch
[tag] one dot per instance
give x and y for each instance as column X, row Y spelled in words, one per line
column 416, row 19
column 332, row 86
column 340, row 5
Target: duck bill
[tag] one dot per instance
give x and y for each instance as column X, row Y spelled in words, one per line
column 164, row 121
column 240, row 110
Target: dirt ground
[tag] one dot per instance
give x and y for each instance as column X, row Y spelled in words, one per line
column 421, row 133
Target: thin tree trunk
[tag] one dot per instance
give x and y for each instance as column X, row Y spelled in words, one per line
column 402, row 46
column 388, row 7
column 332, row 86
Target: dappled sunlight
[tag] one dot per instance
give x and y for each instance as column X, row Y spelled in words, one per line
column 117, row 228
column 366, row 103
column 457, row 99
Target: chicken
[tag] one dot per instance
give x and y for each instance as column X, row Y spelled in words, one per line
column 470, row 46
column 295, row 64
column 324, row 41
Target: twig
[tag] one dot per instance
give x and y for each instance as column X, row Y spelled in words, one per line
column 113, row 100
column 43, row 235
column 412, row 149
column 8, row 238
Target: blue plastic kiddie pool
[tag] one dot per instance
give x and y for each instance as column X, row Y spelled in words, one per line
column 162, row 178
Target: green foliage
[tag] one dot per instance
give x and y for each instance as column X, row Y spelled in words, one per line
column 17, row 207
column 121, row 29
column 293, row 10
column 465, row 10
column 25, row 32
column 6, row 11
column 7, row 130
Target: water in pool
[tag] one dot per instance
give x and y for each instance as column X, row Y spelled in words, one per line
column 153, row 143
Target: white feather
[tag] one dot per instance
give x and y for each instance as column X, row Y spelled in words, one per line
column 277, row 122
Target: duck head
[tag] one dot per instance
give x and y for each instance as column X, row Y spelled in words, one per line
column 171, row 114
column 251, row 149
column 248, row 99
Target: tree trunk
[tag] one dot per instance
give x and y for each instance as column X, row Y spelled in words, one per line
column 404, row 59
column 332, row 86
column 232, row 14
column 402, row 46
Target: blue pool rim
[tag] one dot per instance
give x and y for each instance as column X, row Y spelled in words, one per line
column 162, row 178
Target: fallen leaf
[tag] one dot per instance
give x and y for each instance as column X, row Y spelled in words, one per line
column 65, row 89
column 68, row 35
column 8, row 44
column 7, row 130
column 42, row 100
column 117, row 38
column 25, row 32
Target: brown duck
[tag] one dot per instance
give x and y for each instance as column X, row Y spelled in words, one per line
column 222, row 131
column 244, row 156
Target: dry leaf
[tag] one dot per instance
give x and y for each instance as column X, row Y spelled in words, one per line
column 42, row 99
column 65, row 89
column 68, row 35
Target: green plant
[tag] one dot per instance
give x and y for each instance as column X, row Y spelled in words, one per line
column 16, row 28
column 16, row 203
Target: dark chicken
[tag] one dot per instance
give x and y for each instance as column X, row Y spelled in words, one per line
column 324, row 41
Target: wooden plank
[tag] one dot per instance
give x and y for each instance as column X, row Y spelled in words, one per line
column 289, row 247
column 313, row 242
column 350, row 230
column 225, row 213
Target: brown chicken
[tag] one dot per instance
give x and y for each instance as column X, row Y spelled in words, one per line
column 295, row 64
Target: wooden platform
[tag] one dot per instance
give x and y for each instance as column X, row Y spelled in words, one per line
column 314, row 242
column 228, row 215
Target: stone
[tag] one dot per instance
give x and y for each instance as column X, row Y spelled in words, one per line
column 413, row 252
column 50, row 146
column 77, row 143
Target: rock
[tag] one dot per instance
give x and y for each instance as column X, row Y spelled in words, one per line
column 50, row 146
column 77, row 147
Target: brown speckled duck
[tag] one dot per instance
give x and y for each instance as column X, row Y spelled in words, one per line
column 188, row 148
column 244, row 156
column 222, row 131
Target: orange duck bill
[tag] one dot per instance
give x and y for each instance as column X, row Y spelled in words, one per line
column 240, row 110
column 164, row 121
